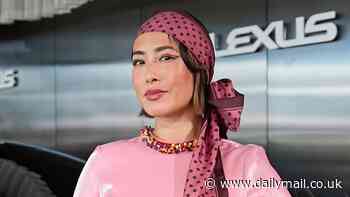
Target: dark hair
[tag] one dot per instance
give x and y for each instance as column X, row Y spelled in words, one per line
column 200, row 80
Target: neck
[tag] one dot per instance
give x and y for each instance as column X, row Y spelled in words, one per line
column 177, row 128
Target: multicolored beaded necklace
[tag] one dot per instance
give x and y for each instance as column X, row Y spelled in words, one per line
column 151, row 140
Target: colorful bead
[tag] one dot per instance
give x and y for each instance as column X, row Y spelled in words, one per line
column 148, row 137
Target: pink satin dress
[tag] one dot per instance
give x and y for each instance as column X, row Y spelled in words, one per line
column 129, row 168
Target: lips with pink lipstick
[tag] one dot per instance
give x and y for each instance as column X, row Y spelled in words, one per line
column 154, row 94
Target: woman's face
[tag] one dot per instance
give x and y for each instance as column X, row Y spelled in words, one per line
column 162, row 82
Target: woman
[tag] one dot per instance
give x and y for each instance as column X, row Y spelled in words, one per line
column 186, row 152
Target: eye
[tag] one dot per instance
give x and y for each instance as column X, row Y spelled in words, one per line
column 167, row 57
column 137, row 62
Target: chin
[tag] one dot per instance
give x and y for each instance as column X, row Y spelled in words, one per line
column 158, row 111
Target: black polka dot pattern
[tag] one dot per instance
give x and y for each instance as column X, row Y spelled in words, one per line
column 184, row 28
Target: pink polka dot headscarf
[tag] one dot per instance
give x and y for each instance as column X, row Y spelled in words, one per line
column 225, row 104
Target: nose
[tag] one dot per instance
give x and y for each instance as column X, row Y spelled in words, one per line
column 151, row 73
column 151, row 80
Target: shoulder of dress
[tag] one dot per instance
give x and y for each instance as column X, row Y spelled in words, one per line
column 230, row 146
column 118, row 145
column 243, row 156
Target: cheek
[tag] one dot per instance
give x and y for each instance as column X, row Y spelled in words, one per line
column 137, row 80
column 184, row 86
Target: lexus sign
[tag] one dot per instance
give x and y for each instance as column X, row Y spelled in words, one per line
column 313, row 30
column 8, row 79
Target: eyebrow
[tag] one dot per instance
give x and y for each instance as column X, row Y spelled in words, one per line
column 158, row 49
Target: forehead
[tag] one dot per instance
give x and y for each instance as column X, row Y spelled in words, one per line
column 151, row 40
